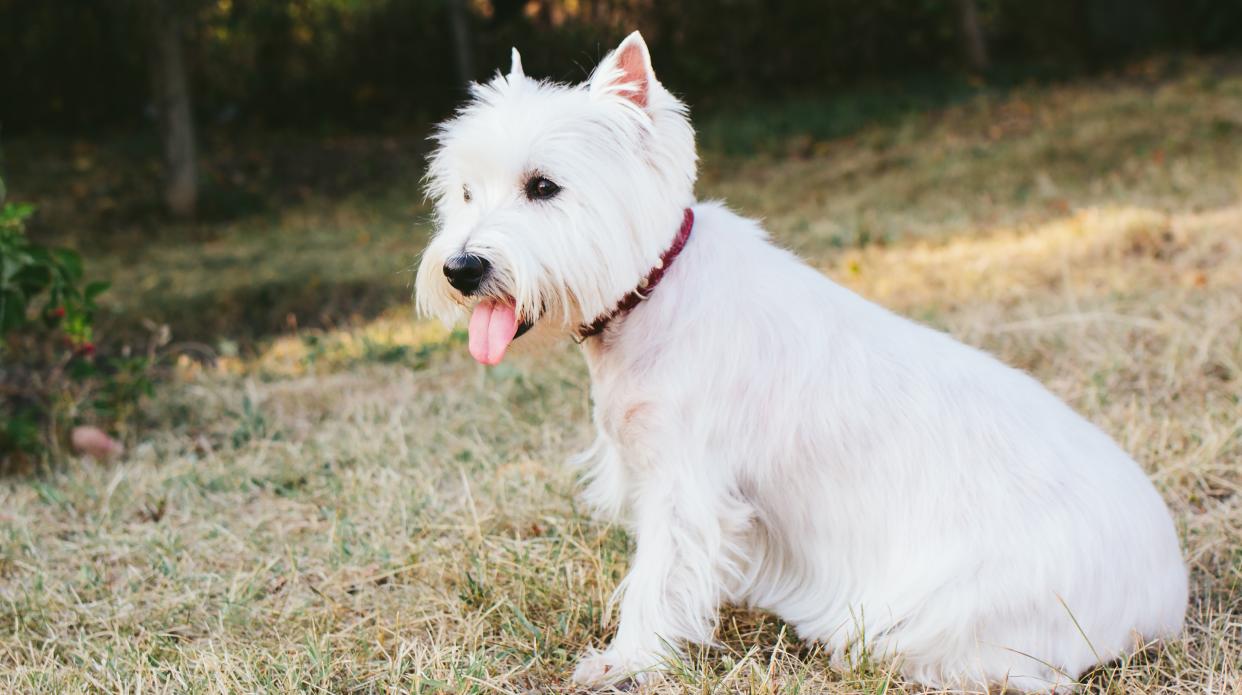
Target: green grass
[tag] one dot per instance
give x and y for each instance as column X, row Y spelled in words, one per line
column 333, row 225
column 364, row 509
column 1034, row 154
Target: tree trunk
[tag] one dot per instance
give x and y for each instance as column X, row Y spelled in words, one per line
column 462, row 52
column 975, row 48
column 172, row 104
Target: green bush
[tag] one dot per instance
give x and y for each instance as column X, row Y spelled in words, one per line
column 51, row 378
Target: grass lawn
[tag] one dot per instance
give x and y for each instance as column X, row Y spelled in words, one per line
column 362, row 508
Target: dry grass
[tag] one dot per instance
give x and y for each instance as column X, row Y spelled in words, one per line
column 368, row 510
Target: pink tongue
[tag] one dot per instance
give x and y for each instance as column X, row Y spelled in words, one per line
column 492, row 328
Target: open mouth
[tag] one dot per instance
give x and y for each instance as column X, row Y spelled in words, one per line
column 493, row 327
column 523, row 326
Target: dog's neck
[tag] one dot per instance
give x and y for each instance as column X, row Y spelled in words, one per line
column 645, row 286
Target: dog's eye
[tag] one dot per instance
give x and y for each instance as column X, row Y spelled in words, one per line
column 540, row 188
column 465, row 193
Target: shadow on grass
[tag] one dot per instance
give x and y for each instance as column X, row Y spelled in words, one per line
column 103, row 194
column 248, row 314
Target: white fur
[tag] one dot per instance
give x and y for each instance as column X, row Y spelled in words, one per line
column 772, row 439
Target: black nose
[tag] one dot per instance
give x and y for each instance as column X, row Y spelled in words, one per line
column 466, row 271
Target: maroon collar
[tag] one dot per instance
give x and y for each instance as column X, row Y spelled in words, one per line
column 645, row 286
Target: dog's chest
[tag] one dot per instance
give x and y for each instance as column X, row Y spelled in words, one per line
column 626, row 408
column 628, row 423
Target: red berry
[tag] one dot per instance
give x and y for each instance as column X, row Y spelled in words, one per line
column 59, row 312
column 88, row 348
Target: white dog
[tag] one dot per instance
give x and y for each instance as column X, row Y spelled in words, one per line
column 772, row 439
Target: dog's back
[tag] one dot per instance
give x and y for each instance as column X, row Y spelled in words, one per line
column 902, row 488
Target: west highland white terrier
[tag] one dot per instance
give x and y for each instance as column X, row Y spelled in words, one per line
column 770, row 438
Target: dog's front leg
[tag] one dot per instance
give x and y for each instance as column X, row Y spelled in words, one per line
column 607, row 485
column 676, row 581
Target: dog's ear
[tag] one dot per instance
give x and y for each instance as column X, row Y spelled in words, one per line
column 626, row 72
column 515, row 65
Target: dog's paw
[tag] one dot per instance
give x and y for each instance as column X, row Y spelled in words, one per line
column 608, row 668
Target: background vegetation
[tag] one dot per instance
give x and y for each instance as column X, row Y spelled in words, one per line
column 84, row 67
column 322, row 492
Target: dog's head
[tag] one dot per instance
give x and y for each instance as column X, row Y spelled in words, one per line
column 552, row 201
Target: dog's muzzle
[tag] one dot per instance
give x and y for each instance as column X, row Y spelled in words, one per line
column 467, row 272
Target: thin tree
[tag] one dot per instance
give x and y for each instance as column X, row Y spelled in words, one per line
column 171, row 89
column 462, row 49
column 973, row 45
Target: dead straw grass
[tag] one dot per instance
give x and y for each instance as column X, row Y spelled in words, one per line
column 369, row 511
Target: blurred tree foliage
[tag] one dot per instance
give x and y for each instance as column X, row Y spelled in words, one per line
column 81, row 65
